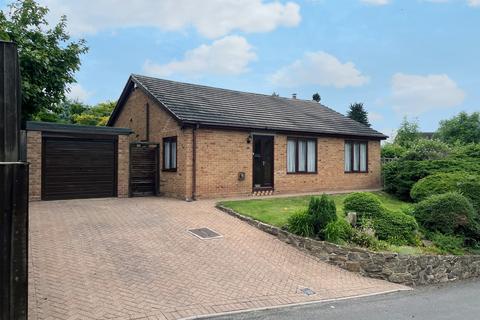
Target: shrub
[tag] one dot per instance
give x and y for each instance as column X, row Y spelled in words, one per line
column 448, row 243
column 396, row 227
column 401, row 175
column 338, row 231
column 471, row 150
column 424, row 149
column 437, row 184
column 448, row 213
column 461, row 182
column 471, row 189
column 392, row 150
column 366, row 205
column 323, row 211
column 367, row 240
column 301, row 223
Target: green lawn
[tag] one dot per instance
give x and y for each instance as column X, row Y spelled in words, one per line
column 275, row 211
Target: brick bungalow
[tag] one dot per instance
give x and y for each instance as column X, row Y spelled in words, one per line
column 216, row 142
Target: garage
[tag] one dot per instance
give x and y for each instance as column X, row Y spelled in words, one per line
column 79, row 167
column 78, row 161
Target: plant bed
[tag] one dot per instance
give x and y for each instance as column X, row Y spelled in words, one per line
column 406, row 269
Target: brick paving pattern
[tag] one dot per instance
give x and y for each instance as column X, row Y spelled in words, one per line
column 134, row 259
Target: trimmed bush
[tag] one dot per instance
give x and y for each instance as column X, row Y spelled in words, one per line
column 338, row 231
column 323, row 211
column 461, row 182
column 301, row 223
column 401, row 175
column 437, row 184
column 396, row 228
column 366, row 205
column 448, row 213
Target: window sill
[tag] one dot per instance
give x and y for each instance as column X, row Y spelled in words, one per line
column 294, row 173
column 348, row 172
column 169, row 170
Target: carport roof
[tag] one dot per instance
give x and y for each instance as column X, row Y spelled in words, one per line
column 74, row 128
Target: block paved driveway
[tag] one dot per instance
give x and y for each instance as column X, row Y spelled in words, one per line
column 134, row 259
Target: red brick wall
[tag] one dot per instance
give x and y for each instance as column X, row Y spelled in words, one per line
column 34, row 157
column 133, row 116
column 123, row 166
column 222, row 154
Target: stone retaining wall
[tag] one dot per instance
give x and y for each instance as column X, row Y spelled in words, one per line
column 393, row 267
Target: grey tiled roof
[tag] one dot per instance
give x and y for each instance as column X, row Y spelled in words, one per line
column 192, row 103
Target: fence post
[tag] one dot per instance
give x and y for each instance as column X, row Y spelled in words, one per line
column 13, row 193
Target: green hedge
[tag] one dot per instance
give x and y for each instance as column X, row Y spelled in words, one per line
column 401, row 175
column 461, row 182
column 448, row 213
column 396, row 228
column 366, row 205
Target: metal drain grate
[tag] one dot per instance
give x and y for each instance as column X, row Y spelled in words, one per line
column 204, row 233
column 307, row 291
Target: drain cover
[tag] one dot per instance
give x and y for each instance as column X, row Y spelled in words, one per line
column 307, row 291
column 205, row 233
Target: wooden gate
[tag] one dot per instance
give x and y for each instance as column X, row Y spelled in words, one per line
column 144, row 169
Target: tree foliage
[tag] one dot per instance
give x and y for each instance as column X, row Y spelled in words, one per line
column 358, row 113
column 75, row 112
column 316, row 97
column 463, row 128
column 407, row 134
column 47, row 57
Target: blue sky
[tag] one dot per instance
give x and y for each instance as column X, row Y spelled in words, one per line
column 418, row 58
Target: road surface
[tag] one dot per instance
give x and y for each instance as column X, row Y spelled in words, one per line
column 452, row 301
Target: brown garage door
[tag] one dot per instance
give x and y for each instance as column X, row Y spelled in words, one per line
column 79, row 167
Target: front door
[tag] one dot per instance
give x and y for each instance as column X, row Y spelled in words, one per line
column 262, row 162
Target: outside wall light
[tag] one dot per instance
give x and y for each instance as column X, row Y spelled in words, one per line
column 249, row 138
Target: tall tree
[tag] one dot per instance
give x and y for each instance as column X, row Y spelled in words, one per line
column 316, row 97
column 407, row 134
column 358, row 113
column 48, row 59
column 462, row 128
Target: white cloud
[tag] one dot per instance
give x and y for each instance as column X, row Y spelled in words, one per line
column 78, row 93
column 474, row 3
column 212, row 18
column 470, row 3
column 321, row 69
column 229, row 55
column 416, row 94
column 376, row 2
column 375, row 116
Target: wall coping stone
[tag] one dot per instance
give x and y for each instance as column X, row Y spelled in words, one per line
column 394, row 267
